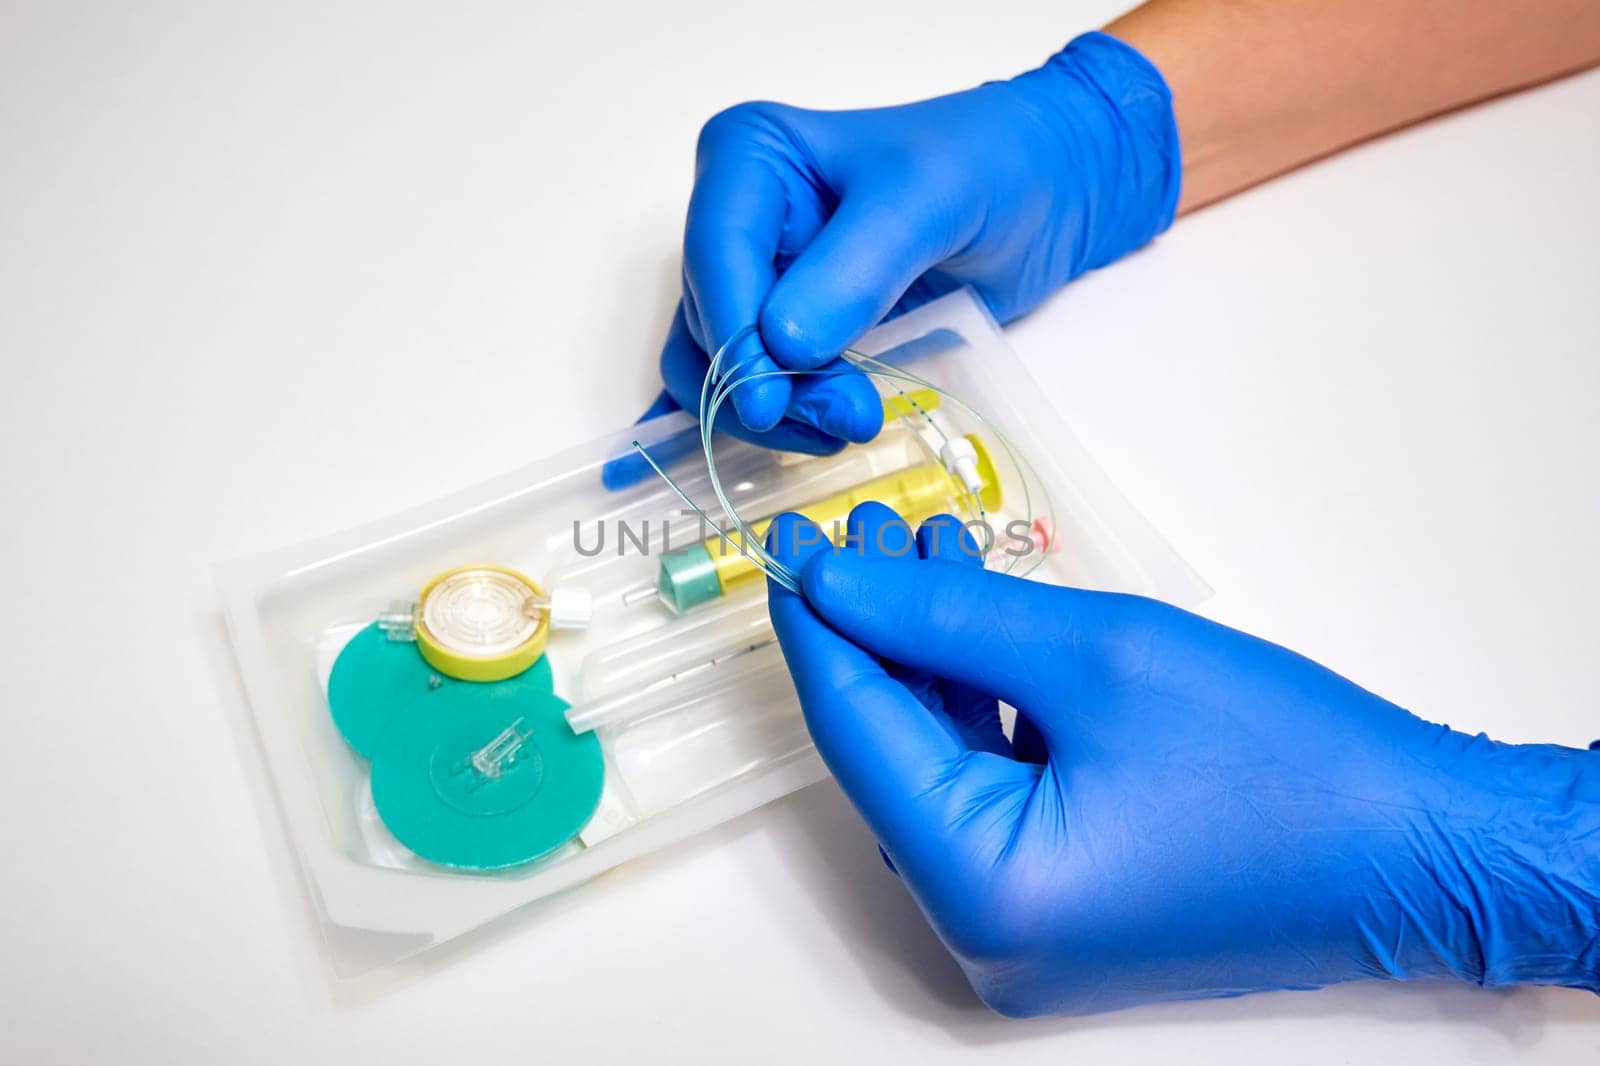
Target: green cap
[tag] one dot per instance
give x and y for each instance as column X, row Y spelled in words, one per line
column 688, row 579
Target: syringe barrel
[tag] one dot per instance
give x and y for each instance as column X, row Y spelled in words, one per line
column 712, row 568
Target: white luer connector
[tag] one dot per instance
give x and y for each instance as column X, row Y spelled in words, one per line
column 961, row 459
column 571, row 607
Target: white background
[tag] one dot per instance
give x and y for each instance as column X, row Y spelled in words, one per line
column 246, row 254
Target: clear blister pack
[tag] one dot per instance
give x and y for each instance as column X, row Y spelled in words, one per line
column 498, row 696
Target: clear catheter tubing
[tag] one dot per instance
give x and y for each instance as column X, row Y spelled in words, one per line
column 719, row 384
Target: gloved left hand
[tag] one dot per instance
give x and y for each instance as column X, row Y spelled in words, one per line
column 813, row 225
column 1185, row 811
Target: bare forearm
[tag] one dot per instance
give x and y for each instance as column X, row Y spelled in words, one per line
column 1262, row 86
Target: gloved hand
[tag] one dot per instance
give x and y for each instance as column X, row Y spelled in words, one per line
column 1187, row 811
column 815, row 225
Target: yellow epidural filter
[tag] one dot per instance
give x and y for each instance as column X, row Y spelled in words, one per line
column 710, row 569
column 482, row 623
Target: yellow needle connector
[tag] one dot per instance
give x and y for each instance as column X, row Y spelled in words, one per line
column 711, row 568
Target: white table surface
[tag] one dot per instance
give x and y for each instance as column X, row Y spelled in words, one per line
column 239, row 249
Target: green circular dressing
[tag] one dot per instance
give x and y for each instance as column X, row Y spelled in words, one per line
column 381, row 690
column 477, row 776
column 508, row 782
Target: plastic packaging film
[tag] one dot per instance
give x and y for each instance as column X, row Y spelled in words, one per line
column 974, row 488
column 422, row 803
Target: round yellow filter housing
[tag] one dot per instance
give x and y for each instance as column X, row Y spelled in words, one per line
column 481, row 623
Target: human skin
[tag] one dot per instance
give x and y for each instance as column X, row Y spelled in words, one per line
column 1263, row 86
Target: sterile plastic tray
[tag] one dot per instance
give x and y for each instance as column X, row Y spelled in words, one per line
column 709, row 727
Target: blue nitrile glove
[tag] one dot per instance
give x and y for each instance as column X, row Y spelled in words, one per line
column 815, row 225
column 1188, row 811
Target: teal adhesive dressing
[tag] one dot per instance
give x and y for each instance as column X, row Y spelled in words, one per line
column 382, row 688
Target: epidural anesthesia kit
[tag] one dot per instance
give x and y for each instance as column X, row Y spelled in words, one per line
column 500, row 695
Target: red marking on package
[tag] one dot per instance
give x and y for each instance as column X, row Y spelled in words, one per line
column 1042, row 533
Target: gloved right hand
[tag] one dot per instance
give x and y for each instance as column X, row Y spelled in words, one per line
column 815, row 225
column 1184, row 810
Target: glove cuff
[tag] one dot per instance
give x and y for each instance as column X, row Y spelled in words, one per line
column 1522, row 865
column 1100, row 91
